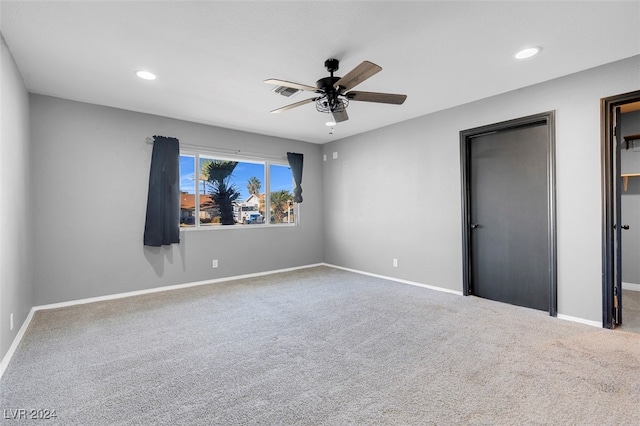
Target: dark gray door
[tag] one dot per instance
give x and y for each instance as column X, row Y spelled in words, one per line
column 510, row 216
column 617, row 208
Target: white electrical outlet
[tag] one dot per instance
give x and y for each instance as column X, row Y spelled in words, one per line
column 11, row 322
column 214, row 263
column 335, row 155
column 324, row 157
column 395, row 263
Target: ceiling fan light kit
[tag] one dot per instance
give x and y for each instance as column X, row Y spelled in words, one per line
column 335, row 92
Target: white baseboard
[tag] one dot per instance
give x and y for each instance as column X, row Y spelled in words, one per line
column 446, row 290
column 168, row 288
column 580, row 320
column 16, row 341
column 399, row 280
column 630, row 286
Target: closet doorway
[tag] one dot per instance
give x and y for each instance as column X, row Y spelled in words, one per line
column 620, row 123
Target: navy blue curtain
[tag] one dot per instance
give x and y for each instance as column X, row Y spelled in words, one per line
column 295, row 162
column 162, row 226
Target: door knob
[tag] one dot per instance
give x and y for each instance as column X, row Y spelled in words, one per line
column 625, row 226
column 474, row 225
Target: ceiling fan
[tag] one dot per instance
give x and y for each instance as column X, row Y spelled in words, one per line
column 334, row 93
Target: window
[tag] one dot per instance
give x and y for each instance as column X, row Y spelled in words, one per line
column 281, row 191
column 217, row 190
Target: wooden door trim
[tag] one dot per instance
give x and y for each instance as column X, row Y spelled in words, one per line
column 545, row 118
column 607, row 107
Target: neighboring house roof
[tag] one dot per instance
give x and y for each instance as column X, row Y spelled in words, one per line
column 187, row 201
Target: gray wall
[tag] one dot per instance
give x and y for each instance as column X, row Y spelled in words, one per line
column 90, row 170
column 16, row 202
column 396, row 192
column 630, row 159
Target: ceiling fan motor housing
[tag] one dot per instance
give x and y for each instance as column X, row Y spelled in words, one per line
column 326, row 84
column 329, row 101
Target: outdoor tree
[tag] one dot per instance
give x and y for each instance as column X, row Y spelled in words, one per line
column 280, row 204
column 204, row 173
column 254, row 185
column 223, row 192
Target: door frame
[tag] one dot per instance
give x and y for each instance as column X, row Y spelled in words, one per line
column 545, row 118
column 607, row 137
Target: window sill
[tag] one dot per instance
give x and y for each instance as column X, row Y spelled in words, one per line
column 229, row 227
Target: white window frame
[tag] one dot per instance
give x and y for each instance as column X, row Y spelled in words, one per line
column 266, row 162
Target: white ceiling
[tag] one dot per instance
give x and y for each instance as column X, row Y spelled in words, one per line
column 211, row 57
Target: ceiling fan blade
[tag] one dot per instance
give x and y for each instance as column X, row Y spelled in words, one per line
column 340, row 116
column 383, row 98
column 291, row 84
column 291, row 106
column 357, row 75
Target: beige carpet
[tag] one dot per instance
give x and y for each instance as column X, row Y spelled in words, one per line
column 320, row 347
column 630, row 311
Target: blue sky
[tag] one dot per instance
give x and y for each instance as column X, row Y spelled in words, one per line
column 280, row 176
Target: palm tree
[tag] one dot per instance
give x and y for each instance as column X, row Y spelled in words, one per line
column 254, row 185
column 280, row 204
column 204, row 173
column 223, row 192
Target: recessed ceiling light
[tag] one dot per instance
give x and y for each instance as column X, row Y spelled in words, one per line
column 527, row 53
column 146, row 75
